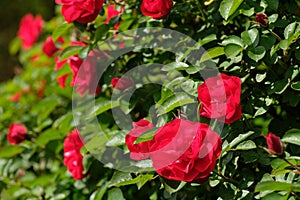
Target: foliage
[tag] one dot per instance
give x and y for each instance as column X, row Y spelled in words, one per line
column 265, row 58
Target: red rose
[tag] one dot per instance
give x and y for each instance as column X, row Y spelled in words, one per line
column 49, row 47
column 30, row 29
column 121, row 83
column 88, row 74
column 220, row 98
column 138, row 151
column 17, row 133
column 262, row 19
column 82, row 11
column 72, row 155
column 157, row 9
column 274, row 144
column 111, row 13
column 180, row 150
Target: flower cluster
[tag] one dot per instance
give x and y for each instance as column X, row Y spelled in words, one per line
column 185, row 150
column 180, row 150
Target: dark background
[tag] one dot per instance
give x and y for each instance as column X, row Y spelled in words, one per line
column 10, row 15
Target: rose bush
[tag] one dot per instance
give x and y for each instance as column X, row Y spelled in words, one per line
column 202, row 104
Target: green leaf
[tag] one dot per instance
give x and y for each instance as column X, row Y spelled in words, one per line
column 99, row 193
column 83, row 53
column 170, row 189
column 146, row 136
column 14, row 46
column 284, row 44
column 292, row 136
column 47, row 136
column 44, row 108
column 280, row 86
column 228, row 7
column 190, row 87
column 10, row 151
column 232, row 50
column 238, row 139
column 292, row 30
column 212, row 53
column 118, row 138
column 64, row 121
column 125, row 24
column 260, row 77
column 233, row 39
column 115, row 193
column 260, row 111
column 296, row 85
column 251, row 37
column 277, row 186
column 174, row 65
column 178, row 99
column 257, row 53
column 59, row 31
column 101, row 31
column 208, row 39
column 139, row 180
column 119, row 177
column 103, row 104
column 70, row 51
column 42, row 180
column 246, row 145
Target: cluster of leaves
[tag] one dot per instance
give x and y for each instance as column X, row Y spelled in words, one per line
column 265, row 58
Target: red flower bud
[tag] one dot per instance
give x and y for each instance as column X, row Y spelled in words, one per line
column 262, row 19
column 275, row 145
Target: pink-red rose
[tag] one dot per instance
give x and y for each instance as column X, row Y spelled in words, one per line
column 50, row 48
column 85, row 73
column 138, row 151
column 72, row 155
column 220, row 98
column 156, row 9
column 17, row 133
column 121, row 83
column 30, row 29
column 82, row 11
column 275, row 145
column 180, row 150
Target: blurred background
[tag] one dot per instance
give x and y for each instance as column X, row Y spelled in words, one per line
column 10, row 15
